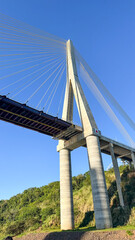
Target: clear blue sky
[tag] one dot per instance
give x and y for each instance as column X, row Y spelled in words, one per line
column 104, row 33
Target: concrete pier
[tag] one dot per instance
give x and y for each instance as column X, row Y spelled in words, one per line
column 133, row 158
column 117, row 175
column 99, row 190
column 66, row 195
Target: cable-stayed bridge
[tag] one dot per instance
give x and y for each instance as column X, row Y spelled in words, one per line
column 33, row 65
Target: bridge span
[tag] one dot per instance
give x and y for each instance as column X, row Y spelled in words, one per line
column 27, row 117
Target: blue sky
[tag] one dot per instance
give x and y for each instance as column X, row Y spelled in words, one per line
column 104, row 33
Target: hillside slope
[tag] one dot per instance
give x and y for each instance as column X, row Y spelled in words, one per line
column 39, row 208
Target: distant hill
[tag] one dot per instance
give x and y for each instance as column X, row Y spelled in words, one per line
column 39, row 208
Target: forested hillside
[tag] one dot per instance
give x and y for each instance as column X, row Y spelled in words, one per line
column 39, row 208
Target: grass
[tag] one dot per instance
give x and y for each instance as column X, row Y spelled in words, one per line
column 129, row 232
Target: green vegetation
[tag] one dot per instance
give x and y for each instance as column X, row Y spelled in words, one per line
column 39, row 208
column 130, row 233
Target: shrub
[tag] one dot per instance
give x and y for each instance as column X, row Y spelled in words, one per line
column 129, row 233
column 46, row 212
column 29, row 213
column 15, row 228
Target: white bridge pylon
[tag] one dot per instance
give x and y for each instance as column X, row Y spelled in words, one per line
column 99, row 189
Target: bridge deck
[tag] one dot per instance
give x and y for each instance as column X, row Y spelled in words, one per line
column 24, row 116
column 120, row 150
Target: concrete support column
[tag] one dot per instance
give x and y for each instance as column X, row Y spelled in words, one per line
column 66, row 194
column 133, row 158
column 99, row 190
column 130, row 164
column 117, row 175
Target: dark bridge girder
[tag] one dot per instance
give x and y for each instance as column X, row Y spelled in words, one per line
column 24, row 116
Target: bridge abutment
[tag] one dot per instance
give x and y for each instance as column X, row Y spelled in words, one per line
column 66, row 194
column 99, row 190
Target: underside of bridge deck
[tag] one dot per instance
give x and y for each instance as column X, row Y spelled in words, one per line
column 24, row 116
column 120, row 150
